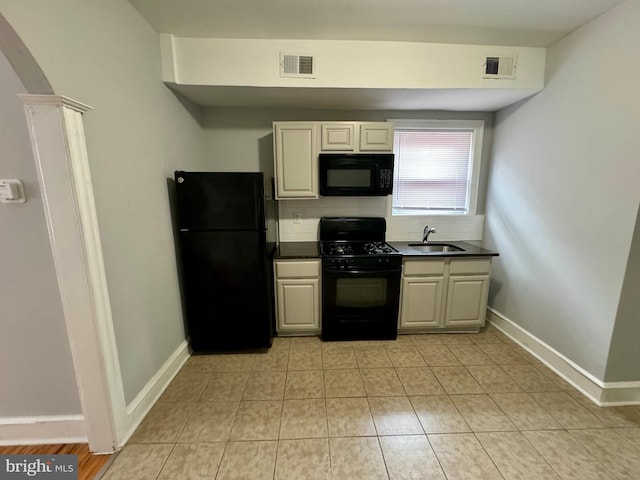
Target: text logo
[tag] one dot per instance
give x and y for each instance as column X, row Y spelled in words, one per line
column 50, row 467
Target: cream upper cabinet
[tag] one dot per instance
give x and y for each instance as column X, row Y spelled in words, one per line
column 376, row 136
column 356, row 137
column 297, row 296
column 444, row 293
column 339, row 136
column 296, row 146
column 296, row 159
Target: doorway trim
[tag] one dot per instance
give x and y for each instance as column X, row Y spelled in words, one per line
column 58, row 140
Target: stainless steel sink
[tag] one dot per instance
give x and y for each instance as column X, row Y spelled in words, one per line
column 436, row 247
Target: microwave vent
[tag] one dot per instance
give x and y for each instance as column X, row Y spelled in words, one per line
column 499, row 67
column 293, row 65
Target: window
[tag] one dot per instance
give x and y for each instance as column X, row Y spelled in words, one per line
column 437, row 164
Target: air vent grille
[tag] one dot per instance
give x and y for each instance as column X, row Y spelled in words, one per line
column 305, row 65
column 293, row 65
column 499, row 67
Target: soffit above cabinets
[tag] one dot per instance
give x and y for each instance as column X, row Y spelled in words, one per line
column 349, row 75
column 486, row 100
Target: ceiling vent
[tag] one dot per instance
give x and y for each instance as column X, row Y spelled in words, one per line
column 499, row 67
column 293, row 65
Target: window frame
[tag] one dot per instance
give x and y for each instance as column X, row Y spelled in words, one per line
column 477, row 127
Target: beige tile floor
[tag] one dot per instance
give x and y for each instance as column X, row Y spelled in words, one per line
column 448, row 406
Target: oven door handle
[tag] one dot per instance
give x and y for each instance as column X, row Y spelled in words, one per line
column 360, row 272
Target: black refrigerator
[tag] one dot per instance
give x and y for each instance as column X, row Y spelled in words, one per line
column 227, row 235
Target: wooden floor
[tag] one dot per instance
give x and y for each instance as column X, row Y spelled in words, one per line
column 88, row 464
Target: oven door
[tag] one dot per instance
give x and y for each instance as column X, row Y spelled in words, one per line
column 360, row 304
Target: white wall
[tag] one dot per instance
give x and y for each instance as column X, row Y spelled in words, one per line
column 37, row 376
column 105, row 54
column 563, row 191
column 344, row 63
column 241, row 139
column 368, row 75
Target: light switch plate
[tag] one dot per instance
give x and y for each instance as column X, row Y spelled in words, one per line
column 12, row 191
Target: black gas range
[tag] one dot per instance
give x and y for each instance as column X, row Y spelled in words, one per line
column 360, row 279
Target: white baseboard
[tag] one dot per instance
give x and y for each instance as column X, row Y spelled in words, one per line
column 620, row 393
column 601, row 393
column 43, row 430
column 148, row 396
column 72, row 429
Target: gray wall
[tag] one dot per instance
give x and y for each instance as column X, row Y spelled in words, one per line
column 37, row 376
column 624, row 360
column 241, row 139
column 563, row 193
column 105, row 54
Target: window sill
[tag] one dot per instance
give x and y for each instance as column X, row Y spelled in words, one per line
column 430, row 213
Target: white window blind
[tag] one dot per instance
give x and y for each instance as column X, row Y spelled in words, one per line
column 434, row 170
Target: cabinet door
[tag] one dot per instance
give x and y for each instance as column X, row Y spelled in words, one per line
column 421, row 302
column 376, row 136
column 337, row 137
column 466, row 300
column 298, row 304
column 296, row 160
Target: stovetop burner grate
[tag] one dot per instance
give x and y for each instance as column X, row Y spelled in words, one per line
column 379, row 248
column 357, row 248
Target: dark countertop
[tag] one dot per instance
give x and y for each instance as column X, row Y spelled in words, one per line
column 289, row 250
column 470, row 250
column 297, row 250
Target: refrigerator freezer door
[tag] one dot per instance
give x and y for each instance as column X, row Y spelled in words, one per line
column 220, row 201
column 228, row 290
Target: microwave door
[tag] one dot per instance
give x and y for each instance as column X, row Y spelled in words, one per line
column 345, row 174
column 349, row 179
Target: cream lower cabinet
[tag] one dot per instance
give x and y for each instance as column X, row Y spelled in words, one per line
column 297, row 296
column 422, row 294
column 446, row 293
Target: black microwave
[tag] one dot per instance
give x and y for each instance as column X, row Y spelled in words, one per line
column 356, row 174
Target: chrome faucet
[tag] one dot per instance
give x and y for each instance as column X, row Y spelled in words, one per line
column 425, row 233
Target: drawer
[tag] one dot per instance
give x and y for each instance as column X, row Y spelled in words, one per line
column 470, row 265
column 423, row 267
column 298, row 269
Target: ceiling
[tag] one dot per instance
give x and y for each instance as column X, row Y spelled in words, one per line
column 531, row 23
column 525, row 23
